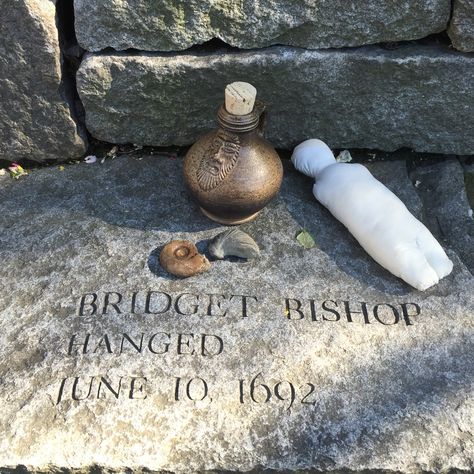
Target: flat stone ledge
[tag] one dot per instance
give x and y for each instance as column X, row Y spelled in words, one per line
column 177, row 25
column 393, row 393
column 36, row 119
column 461, row 28
column 420, row 97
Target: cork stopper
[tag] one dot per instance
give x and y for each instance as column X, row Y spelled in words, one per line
column 240, row 98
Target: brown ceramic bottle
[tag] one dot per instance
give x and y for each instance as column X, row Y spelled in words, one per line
column 233, row 172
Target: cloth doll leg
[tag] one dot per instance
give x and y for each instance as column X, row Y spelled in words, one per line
column 434, row 254
column 414, row 268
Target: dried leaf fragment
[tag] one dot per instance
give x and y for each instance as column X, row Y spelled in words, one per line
column 306, row 239
column 112, row 153
column 344, row 157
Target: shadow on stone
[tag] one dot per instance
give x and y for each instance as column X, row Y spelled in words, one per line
column 332, row 237
column 156, row 268
column 442, row 189
column 51, row 209
column 146, row 194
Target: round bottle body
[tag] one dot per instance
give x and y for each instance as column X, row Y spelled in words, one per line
column 232, row 175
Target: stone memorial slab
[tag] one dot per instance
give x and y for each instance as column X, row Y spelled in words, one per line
column 420, row 97
column 301, row 359
column 172, row 25
column 35, row 113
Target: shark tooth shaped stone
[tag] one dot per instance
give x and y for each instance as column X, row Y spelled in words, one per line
column 234, row 242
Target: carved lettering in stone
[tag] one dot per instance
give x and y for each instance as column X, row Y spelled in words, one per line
column 343, row 310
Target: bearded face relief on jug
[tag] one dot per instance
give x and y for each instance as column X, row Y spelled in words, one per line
column 219, row 160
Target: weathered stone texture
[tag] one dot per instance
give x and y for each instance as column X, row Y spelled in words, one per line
column 447, row 211
column 382, row 395
column 166, row 25
column 416, row 96
column 35, row 119
column 461, row 29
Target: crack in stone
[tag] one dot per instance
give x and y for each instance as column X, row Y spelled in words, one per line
column 71, row 56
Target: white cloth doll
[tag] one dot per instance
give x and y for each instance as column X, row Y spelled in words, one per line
column 377, row 218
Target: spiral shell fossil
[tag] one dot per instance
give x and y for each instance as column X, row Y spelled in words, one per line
column 234, row 242
column 181, row 258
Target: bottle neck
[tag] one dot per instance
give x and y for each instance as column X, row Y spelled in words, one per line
column 240, row 123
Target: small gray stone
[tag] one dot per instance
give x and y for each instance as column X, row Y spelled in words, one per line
column 171, row 25
column 420, row 97
column 233, row 243
column 299, row 359
column 35, row 117
column 461, row 28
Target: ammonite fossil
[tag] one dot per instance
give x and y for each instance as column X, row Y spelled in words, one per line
column 181, row 258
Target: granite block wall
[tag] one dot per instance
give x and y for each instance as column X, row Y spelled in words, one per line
column 373, row 74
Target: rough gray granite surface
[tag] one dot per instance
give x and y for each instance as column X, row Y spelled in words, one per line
column 166, row 25
column 468, row 169
column 461, row 28
column 419, row 97
column 302, row 359
column 447, row 210
column 35, row 118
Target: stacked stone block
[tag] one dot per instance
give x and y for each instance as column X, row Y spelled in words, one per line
column 373, row 74
column 416, row 97
column 419, row 95
column 35, row 116
column 461, row 29
column 174, row 25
